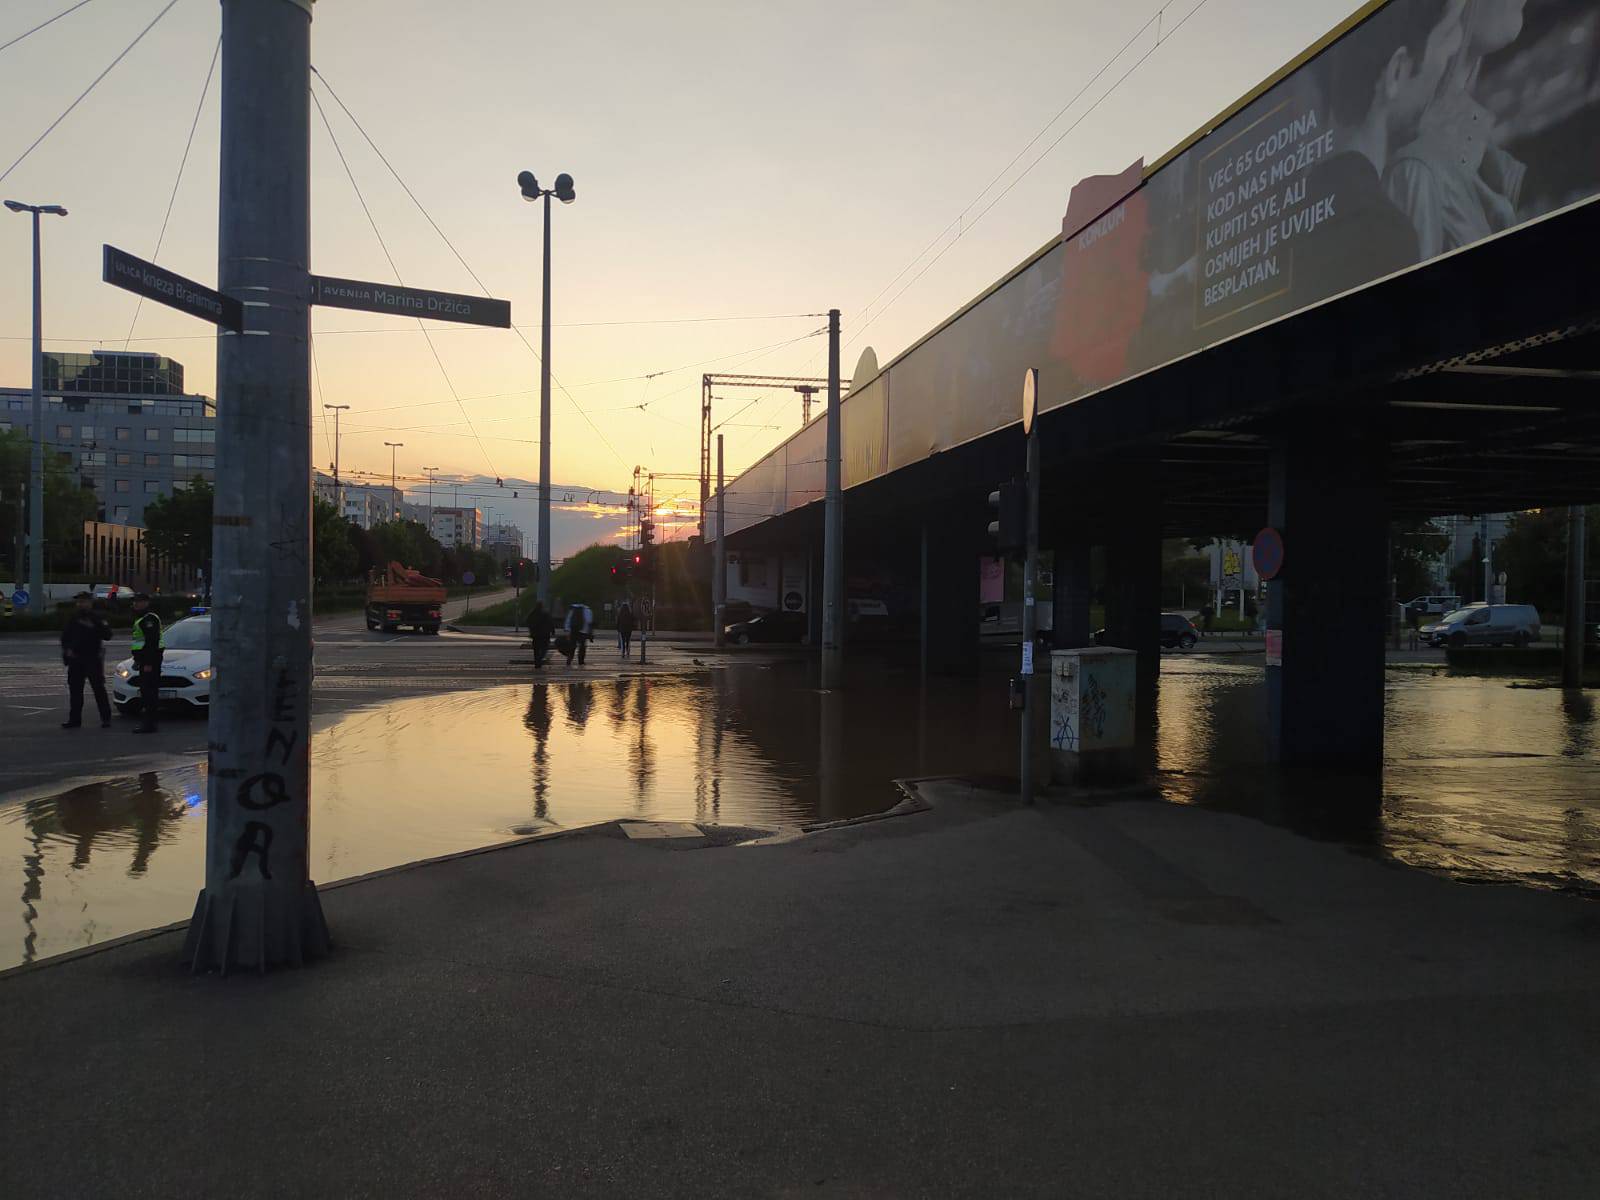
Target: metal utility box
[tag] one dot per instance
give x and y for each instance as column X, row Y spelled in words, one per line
column 1092, row 713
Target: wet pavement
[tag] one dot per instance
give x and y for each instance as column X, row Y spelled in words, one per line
column 1486, row 779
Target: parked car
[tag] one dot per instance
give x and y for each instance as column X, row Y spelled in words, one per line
column 1485, row 625
column 768, row 627
column 1433, row 606
column 185, row 669
column 1177, row 633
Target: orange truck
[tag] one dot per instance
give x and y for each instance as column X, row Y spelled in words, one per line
column 400, row 596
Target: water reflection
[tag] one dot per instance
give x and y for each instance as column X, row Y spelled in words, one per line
column 537, row 719
column 1484, row 780
column 75, row 847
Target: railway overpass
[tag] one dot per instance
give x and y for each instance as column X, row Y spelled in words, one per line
column 1273, row 325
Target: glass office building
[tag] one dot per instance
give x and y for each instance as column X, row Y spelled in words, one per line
column 113, row 373
column 122, row 424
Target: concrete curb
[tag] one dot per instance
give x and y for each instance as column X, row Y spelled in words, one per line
column 778, row 835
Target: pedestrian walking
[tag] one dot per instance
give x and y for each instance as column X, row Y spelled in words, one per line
column 83, row 651
column 149, row 640
column 540, row 629
column 624, row 629
column 580, row 623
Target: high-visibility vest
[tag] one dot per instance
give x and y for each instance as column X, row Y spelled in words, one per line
column 137, row 643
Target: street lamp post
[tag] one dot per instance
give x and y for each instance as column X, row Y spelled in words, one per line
column 338, row 488
column 531, row 191
column 36, row 503
column 393, row 446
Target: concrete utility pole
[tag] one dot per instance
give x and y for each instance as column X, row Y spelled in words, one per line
column 430, row 473
column 393, row 447
column 338, row 488
column 259, row 907
column 36, row 600
column 719, row 577
column 1573, row 628
column 833, row 527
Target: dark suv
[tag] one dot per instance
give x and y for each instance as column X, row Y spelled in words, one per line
column 1177, row 633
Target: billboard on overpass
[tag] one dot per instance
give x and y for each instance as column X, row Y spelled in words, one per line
column 1427, row 126
column 1431, row 125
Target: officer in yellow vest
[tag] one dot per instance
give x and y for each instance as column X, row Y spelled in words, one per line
column 148, row 640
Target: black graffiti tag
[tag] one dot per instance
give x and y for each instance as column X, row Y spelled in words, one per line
column 256, row 839
column 282, row 741
column 282, row 698
column 271, row 788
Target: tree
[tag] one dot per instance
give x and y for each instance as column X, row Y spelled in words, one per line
column 178, row 527
column 333, row 553
column 1533, row 554
column 586, row 576
column 1414, row 547
column 1185, row 572
column 407, row 543
column 1466, row 577
column 67, row 505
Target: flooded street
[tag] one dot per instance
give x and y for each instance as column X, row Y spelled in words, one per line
column 1489, row 778
column 1485, row 780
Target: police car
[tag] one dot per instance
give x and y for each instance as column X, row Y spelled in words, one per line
column 185, row 668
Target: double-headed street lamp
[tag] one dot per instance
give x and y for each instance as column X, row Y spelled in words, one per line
column 531, row 191
column 36, row 503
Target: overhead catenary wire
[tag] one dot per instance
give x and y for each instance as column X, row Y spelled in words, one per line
column 339, row 150
column 459, row 257
column 51, row 21
column 183, row 161
column 1000, row 174
column 1161, row 38
column 49, row 129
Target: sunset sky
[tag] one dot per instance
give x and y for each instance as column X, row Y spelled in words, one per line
column 754, row 162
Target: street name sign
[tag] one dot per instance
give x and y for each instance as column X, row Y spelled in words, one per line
column 409, row 302
column 168, row 287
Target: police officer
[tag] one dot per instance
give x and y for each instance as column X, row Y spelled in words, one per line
column 83, row 644
column 148, row 640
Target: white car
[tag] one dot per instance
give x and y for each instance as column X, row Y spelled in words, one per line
column 185, row 668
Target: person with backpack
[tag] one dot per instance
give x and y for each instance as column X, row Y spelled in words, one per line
column 580, row 623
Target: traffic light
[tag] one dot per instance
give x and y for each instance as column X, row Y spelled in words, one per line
column 647, row 533
column 1009, row 529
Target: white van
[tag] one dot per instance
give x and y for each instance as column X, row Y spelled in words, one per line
column 1485, row 625
column 1431, row 606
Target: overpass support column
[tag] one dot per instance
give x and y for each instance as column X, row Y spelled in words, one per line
column 813, row 555
column 1133, row 590
column 1069, row 593
column 1328, row 497
column 949, row 598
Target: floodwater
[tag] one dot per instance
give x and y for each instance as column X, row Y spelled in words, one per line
column 1487, row 778
column 1484, row 780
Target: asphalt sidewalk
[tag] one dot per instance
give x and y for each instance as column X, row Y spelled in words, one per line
column 1125, row 1000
